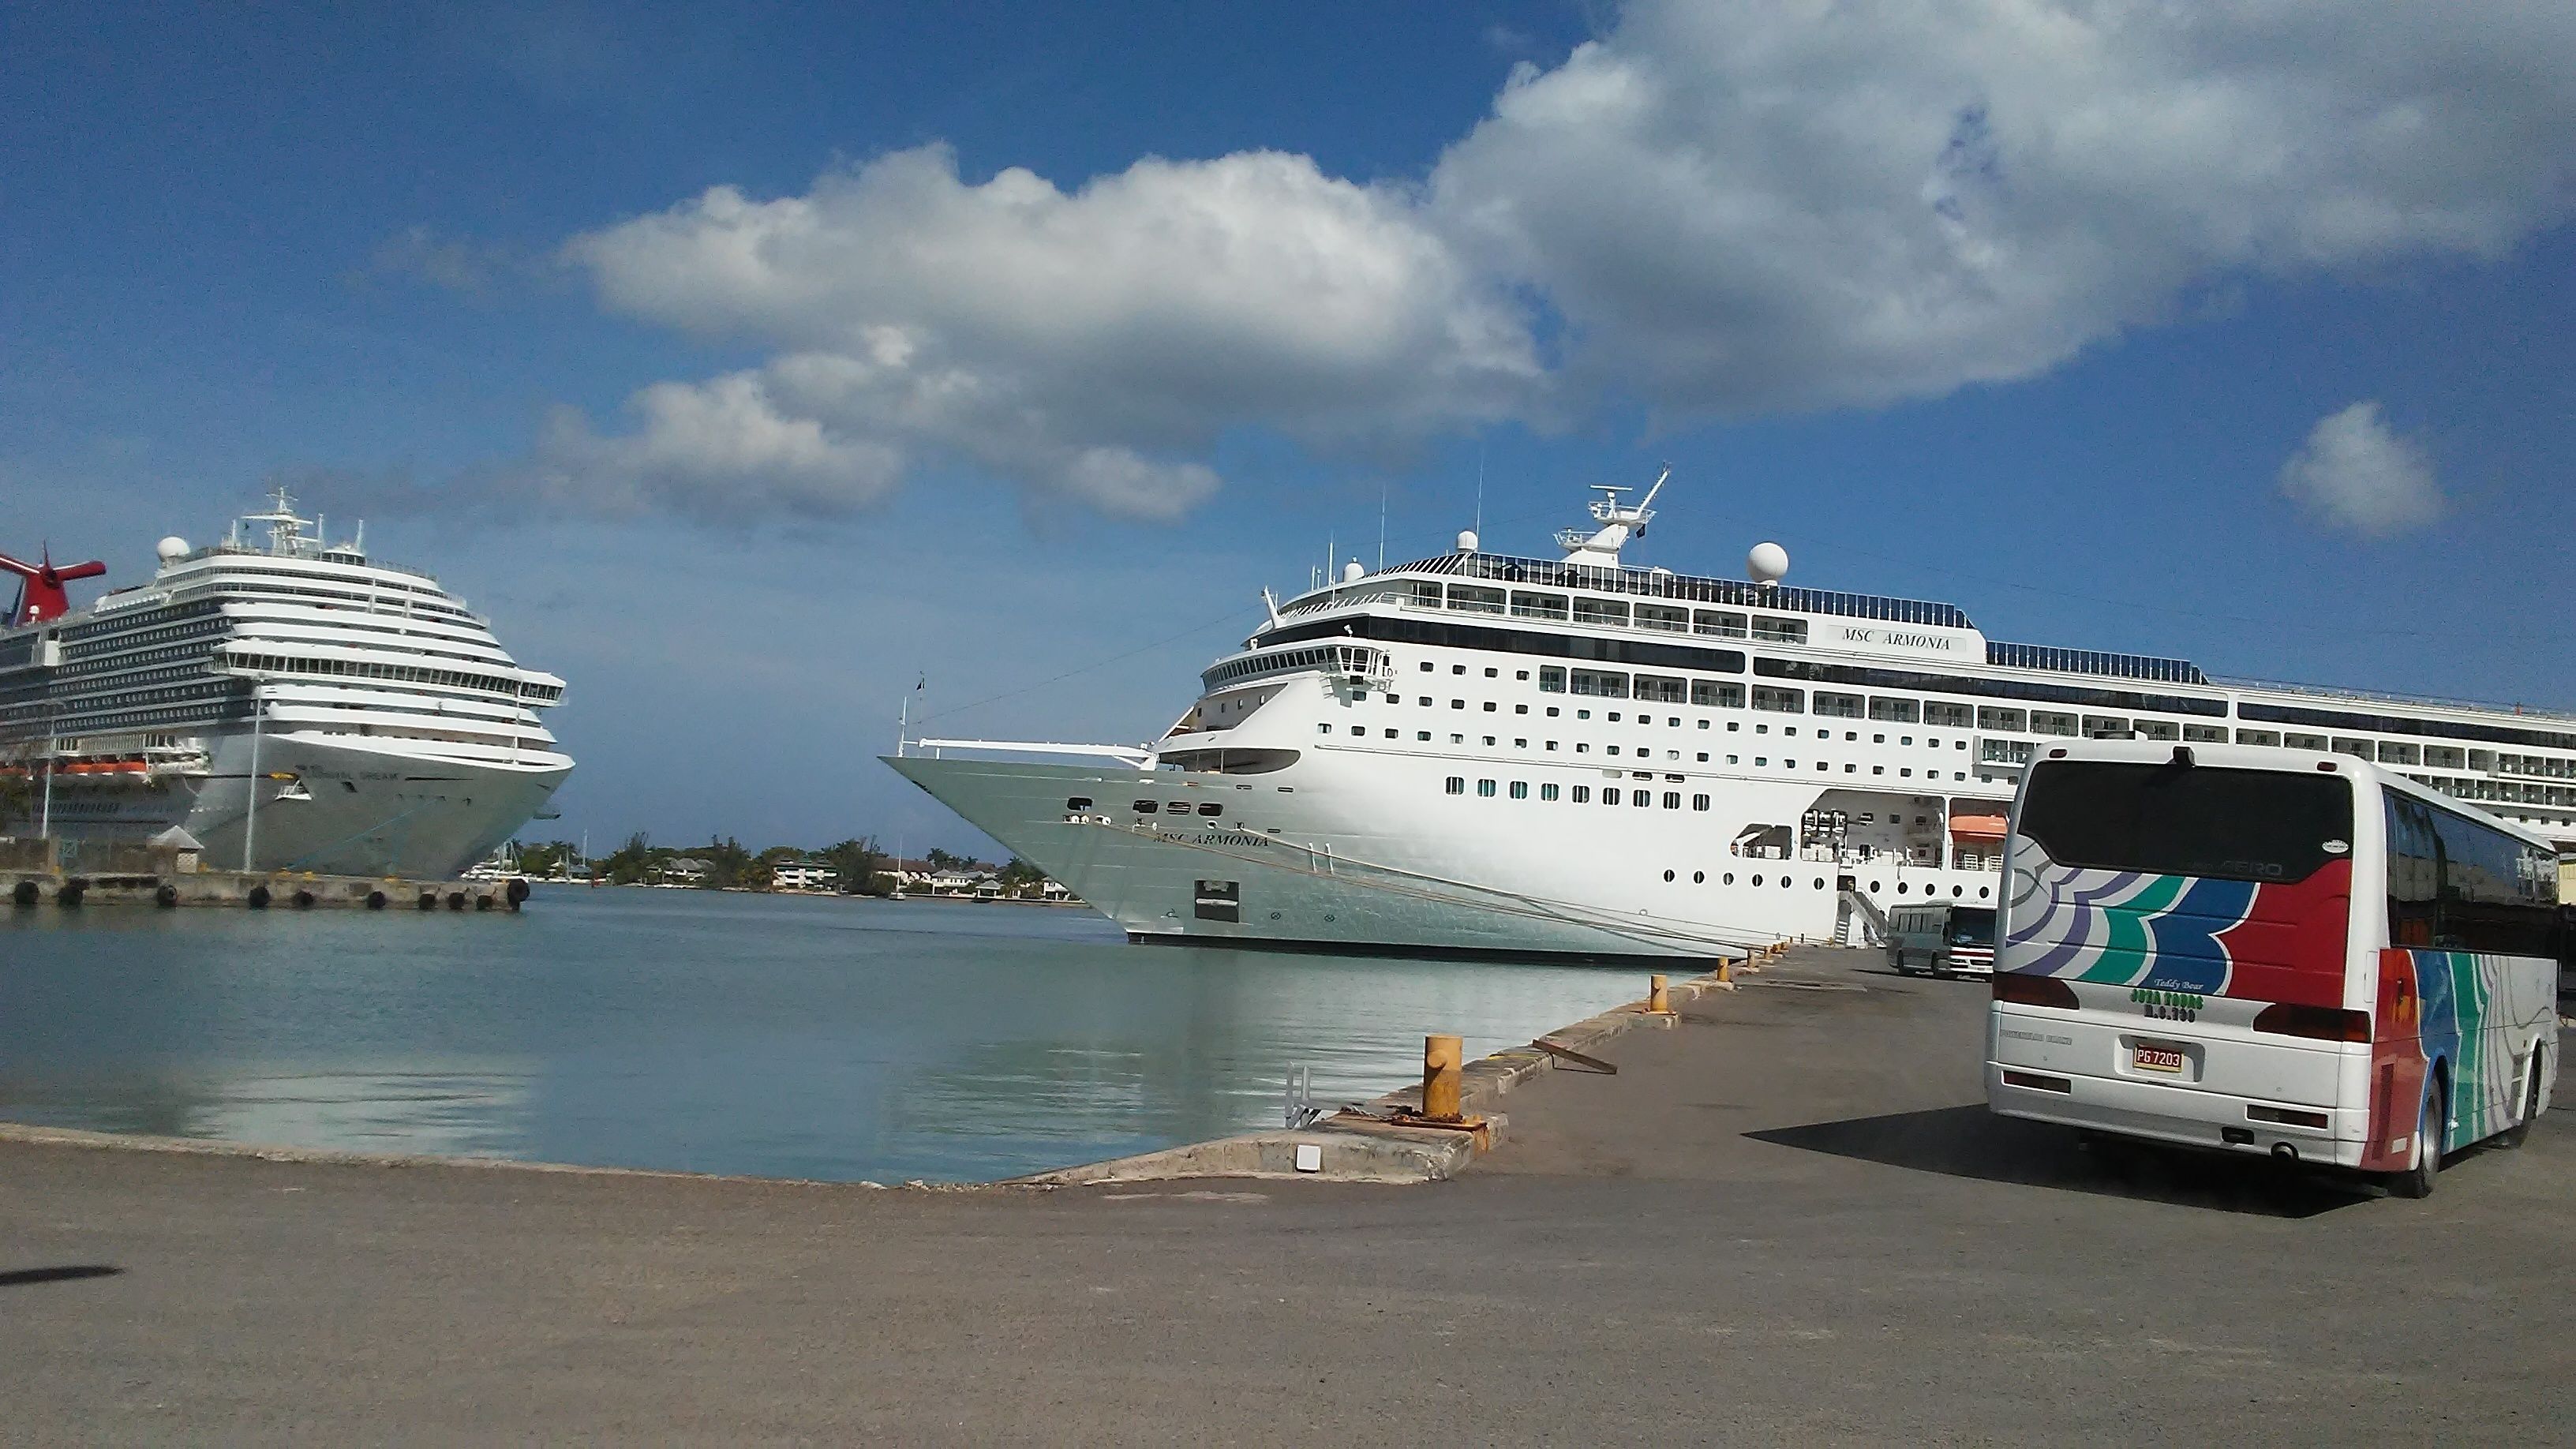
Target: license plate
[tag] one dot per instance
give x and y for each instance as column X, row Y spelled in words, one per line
column 2150, row 1057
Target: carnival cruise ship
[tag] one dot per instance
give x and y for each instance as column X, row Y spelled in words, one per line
column 1572, row 756
column 283, row 702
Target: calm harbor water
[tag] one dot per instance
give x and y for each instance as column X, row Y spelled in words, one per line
column 781, row 1036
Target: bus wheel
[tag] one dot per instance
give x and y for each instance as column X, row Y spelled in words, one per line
column 2514, row 1135
column 2417, row 1181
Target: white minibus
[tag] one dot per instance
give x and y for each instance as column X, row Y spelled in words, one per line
column 2271, row 951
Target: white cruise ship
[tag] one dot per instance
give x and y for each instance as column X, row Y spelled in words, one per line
column 1485, row 753
column 288, row 703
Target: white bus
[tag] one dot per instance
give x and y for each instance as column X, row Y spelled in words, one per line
column 2262, row 951
column 1941, row 938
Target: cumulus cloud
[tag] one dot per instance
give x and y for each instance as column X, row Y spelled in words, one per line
column 1086, row 342
column 1745, row 208
column 2358, row 473
column 1716, row 210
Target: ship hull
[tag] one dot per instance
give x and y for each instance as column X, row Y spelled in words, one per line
column 338, row 809
column 1321, row 882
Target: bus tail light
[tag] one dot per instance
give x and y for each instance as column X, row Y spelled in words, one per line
column 2026, row 990
column 2319, row 1023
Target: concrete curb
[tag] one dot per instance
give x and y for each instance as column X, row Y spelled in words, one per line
column 1354, row 1149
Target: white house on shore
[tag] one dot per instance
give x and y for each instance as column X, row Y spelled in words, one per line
column 804, row 875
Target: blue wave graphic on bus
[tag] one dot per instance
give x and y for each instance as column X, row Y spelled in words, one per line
column 2126, row 928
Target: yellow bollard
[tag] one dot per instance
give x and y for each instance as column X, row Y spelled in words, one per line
column 1443, row 1059
column 1657, row 998
column 1725, row 972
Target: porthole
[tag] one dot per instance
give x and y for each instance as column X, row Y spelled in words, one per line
column 1820, row 882
column 1274, row 915
column 1873, row 888
column 1727, row 879
column 1785, row 882
column 1757, row 880
column 1668, row 875
column 1900, row 888
column 1981, row 893
column 1958, row 891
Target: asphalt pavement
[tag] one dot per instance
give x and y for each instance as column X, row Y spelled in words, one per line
column 1785, row 1220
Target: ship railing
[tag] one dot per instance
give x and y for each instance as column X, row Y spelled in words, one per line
column 2322, row 691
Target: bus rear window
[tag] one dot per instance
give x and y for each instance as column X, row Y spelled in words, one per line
column 2172, row 819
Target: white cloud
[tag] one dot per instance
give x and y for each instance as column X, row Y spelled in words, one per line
column 1743, row 208
column 2357, row 473
column 1084, row 342
column 715, row 448
column 1716, row 210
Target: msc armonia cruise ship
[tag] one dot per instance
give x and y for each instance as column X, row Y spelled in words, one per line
column 286, row 702
column 1528, row 756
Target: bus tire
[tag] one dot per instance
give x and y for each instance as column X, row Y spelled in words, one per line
column 2520, row 1131
column 2417, row 1181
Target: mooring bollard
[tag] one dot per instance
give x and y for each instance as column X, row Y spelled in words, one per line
column 1443, row 1064
column 1725, row 972
column 1658, row 998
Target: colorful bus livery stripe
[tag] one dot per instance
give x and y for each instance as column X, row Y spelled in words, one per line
column 2264, row 940
column 2463, row 1005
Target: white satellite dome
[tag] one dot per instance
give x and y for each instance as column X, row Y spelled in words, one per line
column 171, row 549
column 1466, row 540
column 1768, row 563
column 1352, row 572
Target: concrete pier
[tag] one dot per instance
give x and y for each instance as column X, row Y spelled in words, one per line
column 1786, row 1218
column 33, row 875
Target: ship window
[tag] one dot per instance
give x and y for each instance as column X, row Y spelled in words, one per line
column 1609, row 794
column 1538, row 606
column 1359, row 729
column 2441, row 757
column 1711, row 693
column 1724, row 626
column 2000, row 720
column 1600, row 611
column 1457, row 668
column 1077, row 802
column 1779, row 631
column 1838, row 706
column 1491, row 673
column 2105, row 726
column 1520, row 674
column 1474, row 600
column 1547, row 792
column 1423, row 700
column 1520, row 789
column 1551, row 680
column 1423, row 735
column 1551, row 744
column 1600, row 683
column 1672, row 799
column 1613, row 749
column 1893, row 711
column 1659, row 687
column 1779, row 701
column 1211, row 808
column 1145, row 807
column 2156, row 729
column 1582, row 795
column 1485, row 789
column 2258, row 737
column 1658, row 616
column 1455, row 785
column 1520, row 709
column 2318, row 743
column 1323, row 729
column 1551, row 711
column 1426, row 666
column 1457, row 704
column 1390, row 734
column 1956, row 716
column 2050, row 722
column 1699, row 802
column 1489, row 706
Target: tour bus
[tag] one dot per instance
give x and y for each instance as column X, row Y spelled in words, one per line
column 1941, row 938
column 2265, row 951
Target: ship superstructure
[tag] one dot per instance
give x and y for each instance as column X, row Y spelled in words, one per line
column 286, row 702
column 1483, row 752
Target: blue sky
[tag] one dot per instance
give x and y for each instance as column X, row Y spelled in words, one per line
column 748, row 363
